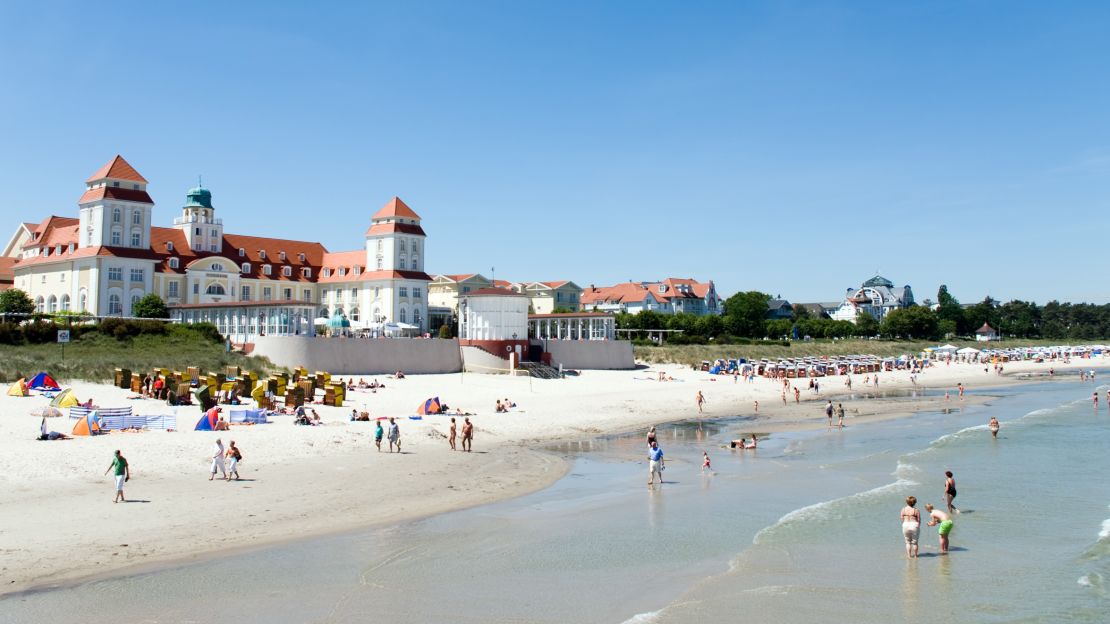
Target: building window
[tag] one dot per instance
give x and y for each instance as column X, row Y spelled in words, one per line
column 215, row 289
column 115, row 274
column 135, row 187
column 415, row 292
column 242, row 252
column 40, row 304
column 61, row 277
column 71, row 246
column 403, row 291
column 52, row 304
column 306, row 272
column 379, row 245
column 134, row 302
column 287, row 294
column 262, row 254
column 246, row 268
column 354, row 294
column 172, row 292
column 281, row 256
column 379, row 263
column 402, row 317
column 115, row 306
column 136, row 218
column 401, row 245
column 173, row 262
column 116, row 215
column 117, row 237
column 84, row 301
column 301, row 257
column 136, row 239
column 169, row 246
column 377, row 292
column 213, row 247
column 403, row 261
column 307, row 294
column 325, row 272
column 357, row 270
column 245, row 293
column 138, row 275
column 196, row 289
column 324, row 295
column 415, row 262
column 266, row 269
column 466, row 289
column 287, row 271
column 65, row 303
column 57, row 250
column 267, row 294
column 197, row 230
column 342, row 271
column 354, row 314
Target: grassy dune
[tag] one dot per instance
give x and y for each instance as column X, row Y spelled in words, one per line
column 95, row 357
column 694, row 354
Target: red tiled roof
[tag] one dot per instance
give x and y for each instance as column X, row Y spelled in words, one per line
column 493, row 292
column 7, row 270
column 393, row 228
column 503, row 284
column 628, row 292
column 53, row 231
column 115, row 192
column 395, row 208
column 119, row 169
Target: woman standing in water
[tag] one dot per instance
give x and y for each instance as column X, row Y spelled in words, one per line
column 993, row 426
column 911, row 525
column 950, row 491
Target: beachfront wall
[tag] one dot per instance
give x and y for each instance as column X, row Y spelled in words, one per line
column 478, row 360
column 354, row 356
column 590, row 354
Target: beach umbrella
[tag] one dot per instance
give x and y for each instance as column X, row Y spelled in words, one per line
column 47, row 412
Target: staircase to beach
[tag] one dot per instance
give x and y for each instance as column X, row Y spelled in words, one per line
column 540, row 370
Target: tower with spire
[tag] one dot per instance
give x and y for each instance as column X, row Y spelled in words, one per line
column 115, row 210
column 203, row 231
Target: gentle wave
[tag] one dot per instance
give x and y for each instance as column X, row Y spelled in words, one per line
column 826, row 510
column 643, row 618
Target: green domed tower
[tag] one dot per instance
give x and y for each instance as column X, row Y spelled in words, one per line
column 199, row 223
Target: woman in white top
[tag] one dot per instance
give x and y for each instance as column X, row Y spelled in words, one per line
column 911, row 525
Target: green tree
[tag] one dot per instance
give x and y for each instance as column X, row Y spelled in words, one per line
column 151, row 306
column 15, row 301
column 983, row 312
column 912, row 322
column 801, row 313
column 949, row 309
column 866, row 325
column 745, row 313
column 445, row 331
column 1021, row 319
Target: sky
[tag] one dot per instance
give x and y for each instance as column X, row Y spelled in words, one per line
column 795, row 148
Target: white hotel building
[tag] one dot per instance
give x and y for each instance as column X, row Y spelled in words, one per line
column 112, row 255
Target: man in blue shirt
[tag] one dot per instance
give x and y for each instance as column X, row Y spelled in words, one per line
column 655, row 463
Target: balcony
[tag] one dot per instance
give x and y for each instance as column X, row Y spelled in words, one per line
column 196, row 219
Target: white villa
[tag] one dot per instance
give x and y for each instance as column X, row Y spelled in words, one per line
column 111, row 255
column 877, row 296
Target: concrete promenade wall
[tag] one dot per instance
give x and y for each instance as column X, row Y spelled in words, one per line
column 476, row 360
column 357, row 356
column 591, row 354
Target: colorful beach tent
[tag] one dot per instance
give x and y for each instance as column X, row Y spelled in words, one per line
column 65, row 398
column 208, row 421
column 431, row 406
column 87, row 425
column 43, row 382
column 18, row 388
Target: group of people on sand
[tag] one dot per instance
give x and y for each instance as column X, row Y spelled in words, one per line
column 394, row 435
column 838, row 410
column 467, row 434
column 910, row 517
column 219, row 454
column 502, row 406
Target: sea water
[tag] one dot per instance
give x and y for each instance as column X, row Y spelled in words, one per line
column 804, row 527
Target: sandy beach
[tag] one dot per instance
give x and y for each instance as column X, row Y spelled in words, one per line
column 59, row 523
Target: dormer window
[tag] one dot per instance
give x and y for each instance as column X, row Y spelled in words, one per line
column 281, row 256
column 115, row 184
column 287, row 271
column 173, row 263
column 246, row 268
column 169, row 246
column 71, row 246
column 135, row 186
column 306, row 272
column 301, row 257
column 262, row 254
column 57, row 250
column 266, row 270
column 242, row 252
column 342, row 271
column 357, row 270
column 662, row 288
column 216, row 266
column 325, row 272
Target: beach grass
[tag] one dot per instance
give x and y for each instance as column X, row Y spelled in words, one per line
column 694, row 355
column 94, row 357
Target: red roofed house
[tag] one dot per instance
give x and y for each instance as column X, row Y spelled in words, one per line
column 111, row 255
column 546, row 297
column 670, row 296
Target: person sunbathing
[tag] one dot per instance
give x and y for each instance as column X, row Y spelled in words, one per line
column 53, row 435
column 499, row 408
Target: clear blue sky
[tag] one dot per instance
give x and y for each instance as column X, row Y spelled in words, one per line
column 793, row 148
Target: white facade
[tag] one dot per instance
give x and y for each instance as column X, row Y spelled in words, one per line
column 493, row 317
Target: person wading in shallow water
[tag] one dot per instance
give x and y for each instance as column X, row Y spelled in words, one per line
column 655, row 464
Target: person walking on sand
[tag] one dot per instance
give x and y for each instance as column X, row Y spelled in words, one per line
column 829, row 411
column 938, row 517
column 451, row 435
column 655, row 464
column 218, row 460
column 236, row 457
column 911, row 525
column 993, row 426
column 797, row 395
column 378, row 434
column 123, row 474
column 468, row 434
column 700, row 399
column 950, row 491
column 757, row 406
column 394, row 435
column 960, row 387
column 840, row 415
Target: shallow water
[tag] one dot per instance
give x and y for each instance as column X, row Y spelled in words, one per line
column 805, row 526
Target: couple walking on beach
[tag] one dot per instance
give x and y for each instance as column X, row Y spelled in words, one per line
column 467, row 435
column 219, row 454
column 911, row 519
column 394, row 435
column 656, row 464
